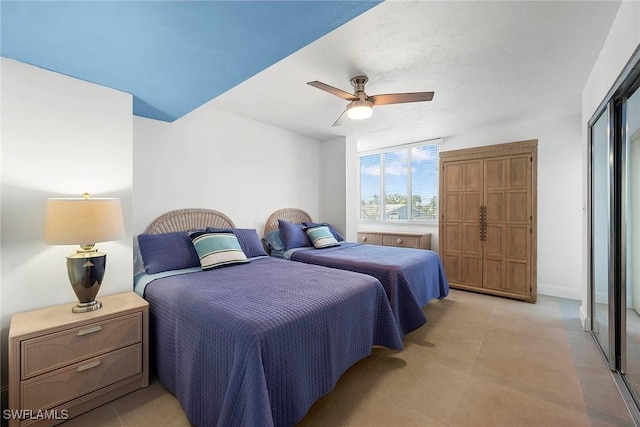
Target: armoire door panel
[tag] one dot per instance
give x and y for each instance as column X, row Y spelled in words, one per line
column 453, row 176
column 518, row 277
column 496, row 204
column 471, row 243
column 494, row 243
column 494, row 175
column 471, row 271
column 493, row 273
column 472, row 175
column 451, row 264
column 453, row 237
column 518, row 207
column 453, row 207
column 471, row 207
column 518, row 242
column 519, row 171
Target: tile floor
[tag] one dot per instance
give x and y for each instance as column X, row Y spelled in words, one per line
column 479, row 361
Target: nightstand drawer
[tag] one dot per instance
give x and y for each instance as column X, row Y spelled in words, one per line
column 401, row 241
column 55, row 350
column 370, row 238
column 62, row 385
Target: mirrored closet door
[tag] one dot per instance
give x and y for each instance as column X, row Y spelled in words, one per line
column 631, row 351
column 601, row 170
column 614, row 231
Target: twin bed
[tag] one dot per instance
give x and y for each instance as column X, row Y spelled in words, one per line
column 258, row 342
column 411, row 277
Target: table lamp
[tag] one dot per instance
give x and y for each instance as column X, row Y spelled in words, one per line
column 85, row 222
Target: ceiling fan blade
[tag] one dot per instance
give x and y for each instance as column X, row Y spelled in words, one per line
column 400, row 98
column 334, row 91
column 340, row 119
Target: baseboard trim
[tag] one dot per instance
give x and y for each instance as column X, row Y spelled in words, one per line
column 559, row 291
column 585, row 319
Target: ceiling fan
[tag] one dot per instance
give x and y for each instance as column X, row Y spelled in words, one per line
column 361, row 105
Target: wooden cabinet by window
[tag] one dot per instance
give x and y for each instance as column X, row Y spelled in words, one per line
column 402, row 240
column 488, row 219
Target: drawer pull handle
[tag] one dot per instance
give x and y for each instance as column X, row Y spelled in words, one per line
column 89, row 330
column 89, row 366
column 364, row 238
column 399, row 241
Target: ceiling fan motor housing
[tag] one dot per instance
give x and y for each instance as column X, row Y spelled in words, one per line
column 358, row 83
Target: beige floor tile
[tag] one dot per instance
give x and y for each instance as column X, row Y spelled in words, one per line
column 369, row 408
column 603, row 401
column 102, row 416
column 452, row 344
column 529, row 323
column 415, row 381
column 505, row 360
column 180, row 422
column 458, row 311
column 584, row 348
column 488, row 404
column 553, row 345
column 150, row 406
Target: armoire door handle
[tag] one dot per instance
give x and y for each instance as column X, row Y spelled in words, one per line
column 483, row 223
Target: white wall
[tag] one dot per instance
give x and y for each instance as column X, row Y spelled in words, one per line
column 218, row 160
column 351, row 189
column 333, row 192
column 60, row 137
column 621, row 43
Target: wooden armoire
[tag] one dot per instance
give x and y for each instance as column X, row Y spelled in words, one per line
column 487, row 238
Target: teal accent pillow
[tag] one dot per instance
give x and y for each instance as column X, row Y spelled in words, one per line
column 321, row 237
column 335, row 233
column 217, row 249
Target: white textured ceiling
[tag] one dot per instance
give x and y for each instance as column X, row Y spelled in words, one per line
column 487, row 62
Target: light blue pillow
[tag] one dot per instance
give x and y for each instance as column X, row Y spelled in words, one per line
column 217, row 249
column 273, row 241
column 321, row 237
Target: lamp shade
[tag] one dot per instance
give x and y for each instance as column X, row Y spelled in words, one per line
column 83, row 221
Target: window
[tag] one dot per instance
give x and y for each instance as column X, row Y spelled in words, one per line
column 400, row 184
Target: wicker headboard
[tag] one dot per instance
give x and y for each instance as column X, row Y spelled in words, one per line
column 189, row 219
column 288, row 214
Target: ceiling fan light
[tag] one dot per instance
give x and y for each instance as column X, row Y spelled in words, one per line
column 358, row 110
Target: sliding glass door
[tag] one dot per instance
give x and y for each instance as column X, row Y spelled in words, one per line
column 630, row 362
column 614, row 209
column 601, row 232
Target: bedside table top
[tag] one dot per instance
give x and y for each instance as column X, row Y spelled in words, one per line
column 61, row 315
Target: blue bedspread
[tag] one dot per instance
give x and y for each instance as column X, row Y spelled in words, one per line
column 411, row 277
column 256, row 344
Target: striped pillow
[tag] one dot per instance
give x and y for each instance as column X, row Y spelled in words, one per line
column 217, row 249
column 321, row 237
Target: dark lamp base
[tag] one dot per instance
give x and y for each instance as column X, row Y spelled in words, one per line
column 86, row 270
column 83, row 307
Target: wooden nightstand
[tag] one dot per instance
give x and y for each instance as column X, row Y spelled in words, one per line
column 62, row 364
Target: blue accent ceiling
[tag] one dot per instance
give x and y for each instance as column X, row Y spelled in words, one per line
column 172, row 56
